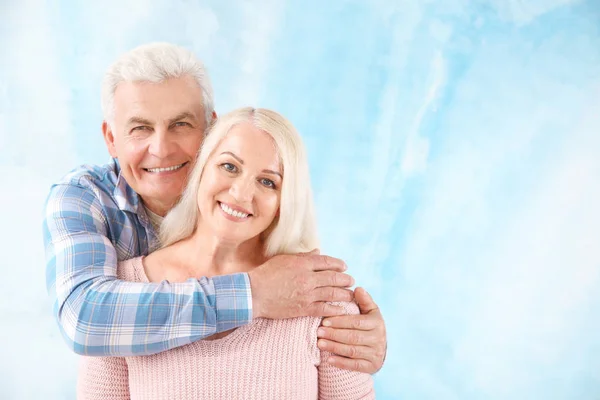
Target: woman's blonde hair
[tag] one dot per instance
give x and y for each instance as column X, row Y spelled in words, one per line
column 294, row 230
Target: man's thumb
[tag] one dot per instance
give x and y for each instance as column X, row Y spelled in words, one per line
column 364, row 300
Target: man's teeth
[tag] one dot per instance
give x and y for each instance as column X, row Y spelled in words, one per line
column 234, row 213
column 173, row 168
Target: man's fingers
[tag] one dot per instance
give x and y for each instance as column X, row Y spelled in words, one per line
column 326, row 263
column 332, row 278
column 322, row 309
column 365, row 301
column 361, row 322
column 352, row 364
column 348, row 336
column 333, row 294
column 357, row 352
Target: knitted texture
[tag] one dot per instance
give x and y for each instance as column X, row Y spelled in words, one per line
column 267, row 359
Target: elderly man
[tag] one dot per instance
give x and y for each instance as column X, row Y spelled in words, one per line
column 157, row 103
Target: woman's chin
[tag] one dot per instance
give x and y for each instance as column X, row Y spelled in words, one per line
column 231, row 239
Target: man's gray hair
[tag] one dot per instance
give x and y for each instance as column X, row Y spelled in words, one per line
column 156, row 62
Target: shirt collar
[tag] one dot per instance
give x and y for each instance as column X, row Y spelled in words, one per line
column 127, row 199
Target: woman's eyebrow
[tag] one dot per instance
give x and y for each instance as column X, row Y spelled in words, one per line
column 268, row 171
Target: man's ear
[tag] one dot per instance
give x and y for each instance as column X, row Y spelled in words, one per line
column 109, row 139
column 214, row 117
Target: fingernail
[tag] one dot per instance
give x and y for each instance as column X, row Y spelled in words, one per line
column 322, row 344
column 326, row 322
column 320, row 332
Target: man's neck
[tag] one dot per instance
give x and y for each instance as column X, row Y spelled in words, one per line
column 157, row 207
column 155, row 219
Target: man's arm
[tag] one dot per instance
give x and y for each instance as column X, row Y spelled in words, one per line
column 100, row 315
column 103, row 316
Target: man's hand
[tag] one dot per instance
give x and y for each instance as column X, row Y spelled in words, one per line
column 289, row 286
column 359, row 341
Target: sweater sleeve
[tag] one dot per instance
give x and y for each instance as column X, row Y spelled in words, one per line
column 336, row 383
column 103, row 378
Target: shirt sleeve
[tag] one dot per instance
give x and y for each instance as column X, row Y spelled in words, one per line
column 336, row 383
column 100, row 315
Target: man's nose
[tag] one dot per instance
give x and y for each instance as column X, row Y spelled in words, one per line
column 161, row 144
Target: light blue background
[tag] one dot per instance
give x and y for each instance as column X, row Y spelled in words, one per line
column 455, row 157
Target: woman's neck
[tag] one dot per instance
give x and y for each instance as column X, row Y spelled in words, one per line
column 214, row 256
column 201, row 255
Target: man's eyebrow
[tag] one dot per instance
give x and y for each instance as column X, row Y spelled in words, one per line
column 144, row 121
column 268, row 171
column 183, row 115
column 139, row 121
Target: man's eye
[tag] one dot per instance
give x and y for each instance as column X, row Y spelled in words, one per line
column 140, row 128
column 182, row 123
column 268, row 183
column 229, row 167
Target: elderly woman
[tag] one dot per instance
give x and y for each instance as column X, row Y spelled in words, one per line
column 248, row 198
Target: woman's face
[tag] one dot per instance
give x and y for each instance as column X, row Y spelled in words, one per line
column 240, row 188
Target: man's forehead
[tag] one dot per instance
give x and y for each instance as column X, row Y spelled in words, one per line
column 136, row 110
column 166, row 114
column 157, row 101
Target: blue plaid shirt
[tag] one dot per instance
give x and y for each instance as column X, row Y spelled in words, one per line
column 93, row 219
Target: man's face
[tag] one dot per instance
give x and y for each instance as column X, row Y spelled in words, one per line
column 156, row 132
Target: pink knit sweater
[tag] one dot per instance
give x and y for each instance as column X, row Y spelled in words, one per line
column 267, row 359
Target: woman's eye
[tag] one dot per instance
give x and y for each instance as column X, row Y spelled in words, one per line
column 229, row 167
column 268, row 183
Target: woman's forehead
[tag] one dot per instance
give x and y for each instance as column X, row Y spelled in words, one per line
column 251, row 145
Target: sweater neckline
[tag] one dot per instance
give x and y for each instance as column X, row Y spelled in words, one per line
column 238, row 332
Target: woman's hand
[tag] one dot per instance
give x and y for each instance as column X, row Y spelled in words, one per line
column 358, row 341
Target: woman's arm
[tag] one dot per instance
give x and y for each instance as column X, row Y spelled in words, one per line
column 337, row 383
column 358, row 342
column 103, row 378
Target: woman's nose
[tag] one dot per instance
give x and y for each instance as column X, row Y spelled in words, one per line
column 242, row 189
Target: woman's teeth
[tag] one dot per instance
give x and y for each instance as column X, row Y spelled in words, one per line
column 232, row 212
